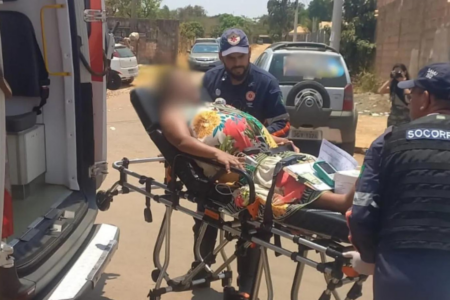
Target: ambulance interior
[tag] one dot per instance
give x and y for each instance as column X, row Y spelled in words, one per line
column 41, row 142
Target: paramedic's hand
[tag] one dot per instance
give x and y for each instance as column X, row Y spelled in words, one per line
column 229, row 160
column 359, row 265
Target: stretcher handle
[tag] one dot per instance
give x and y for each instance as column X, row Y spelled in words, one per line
column 242, row 173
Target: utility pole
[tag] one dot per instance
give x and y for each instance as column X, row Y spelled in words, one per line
column 133, row 23
column 335, row 38
column 294, row 39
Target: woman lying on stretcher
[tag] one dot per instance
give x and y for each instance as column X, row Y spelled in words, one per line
column 221, row 132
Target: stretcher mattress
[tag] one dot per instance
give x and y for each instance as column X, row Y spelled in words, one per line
column 322, row 222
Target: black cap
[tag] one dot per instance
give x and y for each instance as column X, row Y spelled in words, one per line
column 234, row 41
column 434, row 78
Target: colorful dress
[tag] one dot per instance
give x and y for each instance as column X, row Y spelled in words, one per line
column 232, row 131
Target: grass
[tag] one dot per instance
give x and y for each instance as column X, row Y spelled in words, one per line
column 366, row 82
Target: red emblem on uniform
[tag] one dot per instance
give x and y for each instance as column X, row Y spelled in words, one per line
column 250, row 96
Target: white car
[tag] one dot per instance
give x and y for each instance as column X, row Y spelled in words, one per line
column 124, row 66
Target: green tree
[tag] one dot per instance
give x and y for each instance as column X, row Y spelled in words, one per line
column 122, row 8
column 320, row 9
column 190, row 13
column 358, row 35
column 227, row 21
column 165, row 13
column 281, row 17
column 149, row 9
column 191, row 30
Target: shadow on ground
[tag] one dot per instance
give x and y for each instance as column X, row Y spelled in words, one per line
column 98, row 293
column 209, row 294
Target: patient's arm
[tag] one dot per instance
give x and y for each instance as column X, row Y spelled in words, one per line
column 334, row 202
column 175, row 129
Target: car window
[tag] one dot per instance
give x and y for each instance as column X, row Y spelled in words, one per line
column 206, row 41
column 264, row 59
column 259, row 61
column 124, row 52
column 291, row 68
column 199, row 48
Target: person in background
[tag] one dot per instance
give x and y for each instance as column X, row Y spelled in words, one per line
column 399, row 98
column 400, row 219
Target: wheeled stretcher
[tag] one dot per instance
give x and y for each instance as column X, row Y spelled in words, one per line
column 310, row 229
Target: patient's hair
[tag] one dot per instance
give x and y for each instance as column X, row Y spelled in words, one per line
column 164, row 88
column 175, row 84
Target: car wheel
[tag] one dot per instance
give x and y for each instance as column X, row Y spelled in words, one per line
column 129, row 81
column 309, row 91
column 114, row 81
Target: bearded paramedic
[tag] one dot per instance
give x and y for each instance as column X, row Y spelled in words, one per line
column 246, row 86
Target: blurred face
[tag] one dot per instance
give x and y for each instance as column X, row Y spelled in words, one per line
column 236, row 65
column 183, row 89
column 419, row 103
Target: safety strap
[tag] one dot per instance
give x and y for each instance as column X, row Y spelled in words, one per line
column 277, row 240
column 268, row 211
column 44, row 94
column 281, row 149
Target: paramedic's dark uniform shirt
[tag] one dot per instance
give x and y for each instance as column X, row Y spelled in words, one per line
column 399, row 274
column 259, row 95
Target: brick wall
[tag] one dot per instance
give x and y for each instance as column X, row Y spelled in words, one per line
column 158, row 39
column 413, row 32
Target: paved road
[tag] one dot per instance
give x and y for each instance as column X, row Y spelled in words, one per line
column 128, row 275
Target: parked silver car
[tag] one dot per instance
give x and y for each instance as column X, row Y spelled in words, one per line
column 204, row 56
column 206, row 40
column 317, row 91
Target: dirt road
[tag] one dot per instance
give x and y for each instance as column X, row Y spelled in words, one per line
column 128, row 275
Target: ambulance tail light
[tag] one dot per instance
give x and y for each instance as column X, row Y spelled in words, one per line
column 348, row 98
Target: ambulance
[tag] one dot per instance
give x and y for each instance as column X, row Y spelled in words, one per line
column 54, row 60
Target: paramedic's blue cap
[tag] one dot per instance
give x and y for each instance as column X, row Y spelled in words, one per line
column 234, row 41
column 434, row 78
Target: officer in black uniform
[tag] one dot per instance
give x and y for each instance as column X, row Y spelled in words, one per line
column 400, row 219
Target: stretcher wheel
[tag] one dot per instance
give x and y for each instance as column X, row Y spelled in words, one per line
column 155, row 275
column 103, row 200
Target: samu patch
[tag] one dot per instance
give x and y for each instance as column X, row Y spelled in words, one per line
column 250, row 96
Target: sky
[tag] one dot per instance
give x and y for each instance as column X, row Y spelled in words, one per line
column 249, row 8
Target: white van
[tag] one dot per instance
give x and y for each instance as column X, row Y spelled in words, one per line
column 52, row 58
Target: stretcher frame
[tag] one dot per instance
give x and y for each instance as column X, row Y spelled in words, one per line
column 250, row 231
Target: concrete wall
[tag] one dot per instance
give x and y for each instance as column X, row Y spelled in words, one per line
column 413, row 32
column 158, row 39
